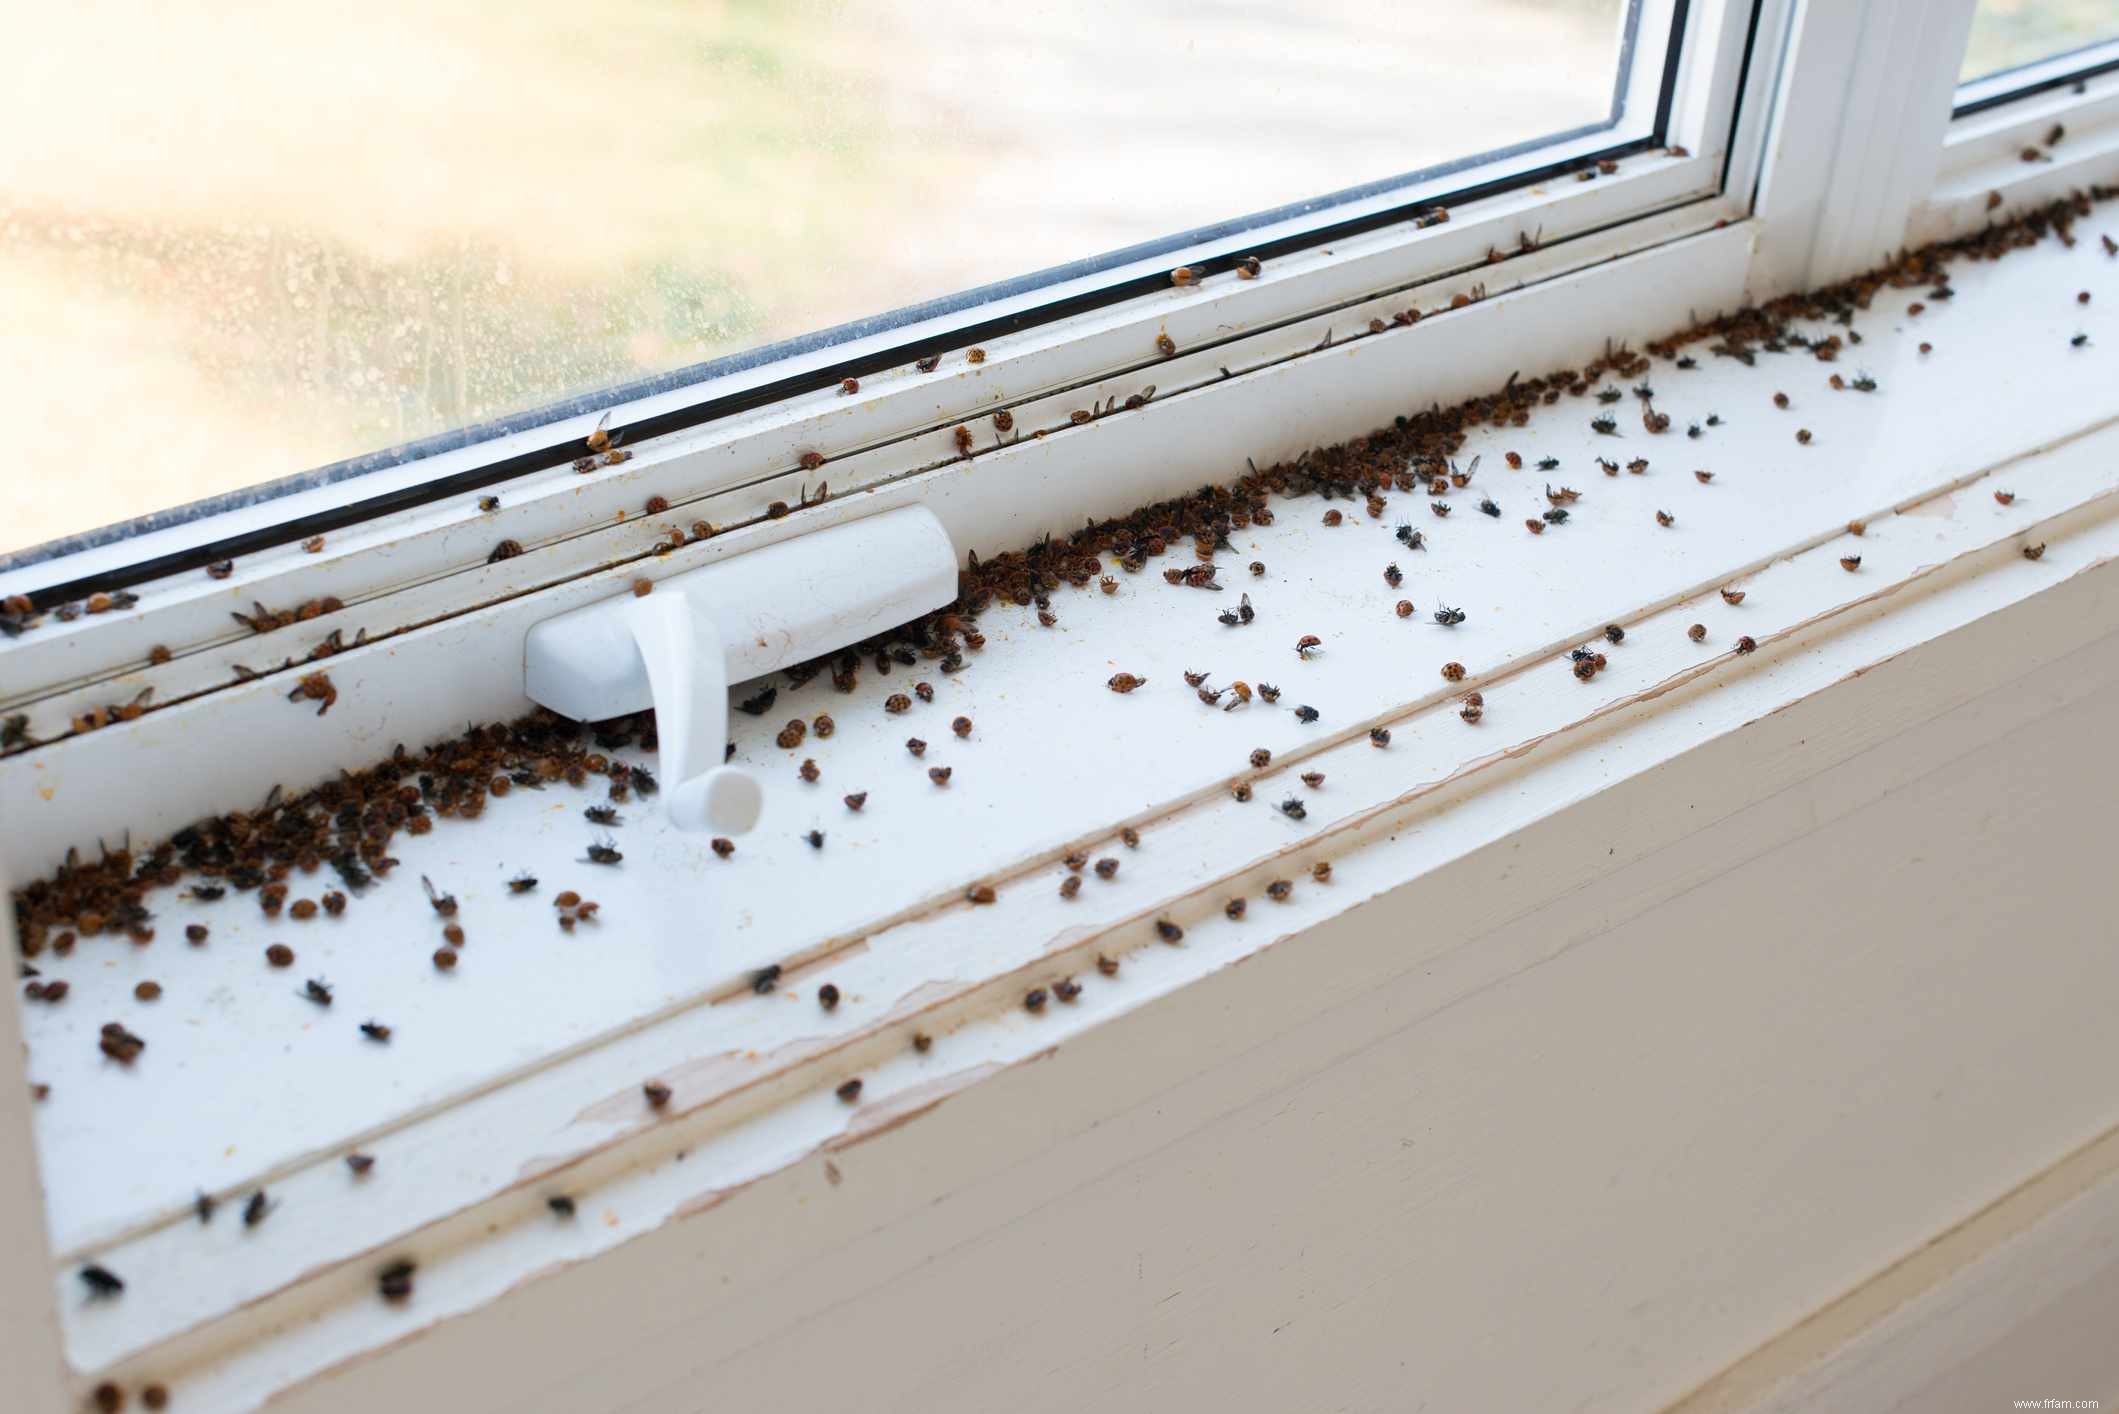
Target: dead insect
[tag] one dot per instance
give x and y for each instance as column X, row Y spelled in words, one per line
column 1440, row 508
column 1703, row 477
column 101, row 1281
column 1305, row 714
column 1165, row 345
column 980, row 894
column 1453, row 672
column 2034, row 552
column 360, row 1163
column 1548, row 463
column 1404, row 608
column 808, row 769
column 1067, row 989
column 961, row 726
column 520, row 884
column 317, row 990
column 376, row 1032
column 1850, row 563
column 1242, row 792
column 1034, row 1000
column 1448, row 617
column 598, row 815
column 2079, row 341
column 1746, row 643
column 1107, row 868
column 1487, row 507
column 220, row 569
column 315, row 687
column 1257, row 567
column 656, row 1093
column 1313, row 779
column 849, row 386
column 257, row 1209
column 1608, row 426
column 1294, row 809
column 2005, row 497
column 1248, row 267
column 643, row 782
column 815, row 839
column 1169, row 932
column 1070, row 886
column 1242, row 691
column 1184, row 275
column 1555, row 516
column 445, row 959
column 858, row 799
column 603, row 851
column 205, row 1206
column 723, row 846
column 1269, row 692
column 1697, row 633
column 1119, row 682
column 280, row 955
column 1472, row 711
column 928, row 364
column 1802, row 435
column 1614, row 634
column 1280, row 890
column 759, row 705
column 940, row 774
column 974, row 355
column 1410, row 538
column 1732, row 596
column 1260, row 759
column 850, row 1091
column 1307, row 644
column 395, row 1281
column 1566, row 495
column 1379, row 736
column 1129, row 837
column 896, row 703
column 560, row 1205
column 1665, row 519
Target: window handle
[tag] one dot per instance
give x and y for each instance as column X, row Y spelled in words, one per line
column 679, row 647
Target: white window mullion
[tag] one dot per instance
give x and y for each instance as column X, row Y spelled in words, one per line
column 1857, row 139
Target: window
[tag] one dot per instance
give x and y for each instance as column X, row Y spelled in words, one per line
column 1607, row 172
column 442, row 225
column 2013, row 34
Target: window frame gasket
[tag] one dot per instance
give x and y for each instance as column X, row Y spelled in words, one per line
column 691, row 415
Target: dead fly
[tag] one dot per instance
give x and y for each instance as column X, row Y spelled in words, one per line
column 603, row 851
column 1608, row 396
column 815, row 839
column 1410, row 538
column 376, row 1032
column 643, row 783
column 101, row 1281
column 257, row 1209
column 1307, row 644
column 317, row 688
column 1269, row 692
column 765, row 979
column 1555, row 516
column 561, row 1205
column 1448, row 617
column 1305, row 714
column 1665, row 519
column 1440, row 508
column 1280, row 891
column 1487, row 507
column 1379, row 737
column 595, row 815
column 1294, row 809
column 1614, row 634
column 2079, row 341
column 522, row 883
column 1607, row 426
column 317, row 990
column 2034, row 552
column 762, row 703
column 1169, row 932
column 360, row 1164
column 1241, row 614
column 1692, row 430
column 119, row 1044
column 1107, row 869
column 1548, row 463
column 395, row 1281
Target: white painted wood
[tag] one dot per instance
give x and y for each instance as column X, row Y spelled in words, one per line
column 29, row 1318
column 2016, row 1303
column 1635, row 1127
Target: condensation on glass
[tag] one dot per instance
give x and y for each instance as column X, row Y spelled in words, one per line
column 2008, row 34
column 242, row 240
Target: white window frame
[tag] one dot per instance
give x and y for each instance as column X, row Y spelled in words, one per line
column 1787, row 198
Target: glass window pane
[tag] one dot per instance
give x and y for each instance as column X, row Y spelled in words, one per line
column 268, row 237
column 2007, row 34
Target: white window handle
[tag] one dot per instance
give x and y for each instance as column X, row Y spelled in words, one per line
column 679, row 647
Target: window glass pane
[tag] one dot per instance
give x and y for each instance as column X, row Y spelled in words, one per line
column 2007, row 34
column 242, row 240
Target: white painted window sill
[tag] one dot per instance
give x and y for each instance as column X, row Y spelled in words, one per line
column 519, row 1076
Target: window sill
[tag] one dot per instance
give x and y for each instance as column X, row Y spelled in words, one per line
column 520, row 1076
